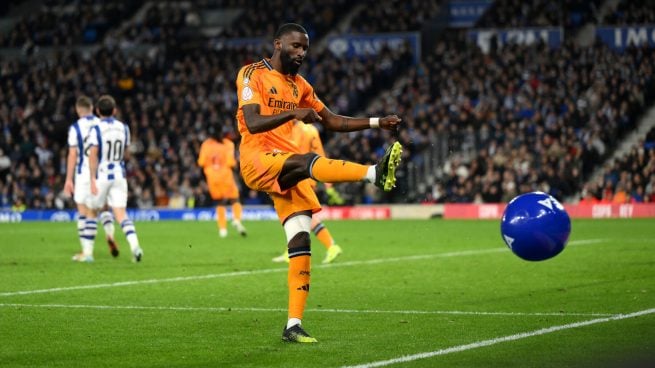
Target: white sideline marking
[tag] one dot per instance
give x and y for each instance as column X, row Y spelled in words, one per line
column 272, row 270
column 498, row 340
column 249, row 309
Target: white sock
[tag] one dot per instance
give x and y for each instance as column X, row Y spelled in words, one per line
column 370, row 174
column 108, row 223
column 292, row 322
column 133, row 240
column 90, row 232
column 130, row 233
column 81, row 229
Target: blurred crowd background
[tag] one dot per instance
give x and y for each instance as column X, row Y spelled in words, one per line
column 480, row 124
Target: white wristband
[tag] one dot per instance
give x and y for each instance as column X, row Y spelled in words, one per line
column 374, row 122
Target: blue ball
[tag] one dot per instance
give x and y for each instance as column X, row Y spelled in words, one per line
column 535, row 226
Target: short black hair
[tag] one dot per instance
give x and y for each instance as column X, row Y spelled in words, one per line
column 106, row 105
column 288, row 28
column 214, row 130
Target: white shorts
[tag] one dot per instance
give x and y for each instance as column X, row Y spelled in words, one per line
column 111, row 192
column 82, row 190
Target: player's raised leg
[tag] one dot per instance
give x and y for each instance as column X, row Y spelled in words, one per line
column 322, row 169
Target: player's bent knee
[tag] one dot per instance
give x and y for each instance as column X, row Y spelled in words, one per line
column 300, row 240
column 297, row 230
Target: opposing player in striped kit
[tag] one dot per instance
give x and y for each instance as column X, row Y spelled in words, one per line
column 77, row 181
column 108, row 141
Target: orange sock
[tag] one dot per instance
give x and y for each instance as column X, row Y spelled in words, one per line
column 221, row 217
column 298, row 281
column 336, row 171
column 237, row 209
column 323, row 235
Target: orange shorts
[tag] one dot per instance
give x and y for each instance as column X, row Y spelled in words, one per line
column 260, row 172
column 223, row 189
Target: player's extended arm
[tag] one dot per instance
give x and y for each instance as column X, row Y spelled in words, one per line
column 342, row 123
column 93, row 168
column 257, row 123
column 70, row 169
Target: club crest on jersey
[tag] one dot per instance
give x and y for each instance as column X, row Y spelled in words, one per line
column 294, row 87
column 246, row 94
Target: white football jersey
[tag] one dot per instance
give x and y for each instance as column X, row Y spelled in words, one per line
column 78, row 134
column 112, row 137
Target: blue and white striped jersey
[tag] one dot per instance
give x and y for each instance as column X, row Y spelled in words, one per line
column 78, row 134
column 112, row 137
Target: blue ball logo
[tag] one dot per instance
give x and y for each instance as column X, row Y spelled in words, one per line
column 535, row 226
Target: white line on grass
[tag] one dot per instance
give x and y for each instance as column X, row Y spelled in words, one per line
column 272, row 270
column 498, row 340
column 347, row 311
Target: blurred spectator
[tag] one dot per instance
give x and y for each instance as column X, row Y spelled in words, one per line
column 176, row 199
column 19, row 204
column 5, row 163
column 145, row 200
column 253, row 198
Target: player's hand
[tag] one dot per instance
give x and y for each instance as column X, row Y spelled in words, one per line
column 307, row 115
column 94, row 187
column 390, row 122
column 68, row 188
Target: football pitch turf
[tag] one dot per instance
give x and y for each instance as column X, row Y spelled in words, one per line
column 430, row 293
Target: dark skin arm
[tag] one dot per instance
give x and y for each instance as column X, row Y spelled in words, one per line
column 257, row 123
column 340, row 123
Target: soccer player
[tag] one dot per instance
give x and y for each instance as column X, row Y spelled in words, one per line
column 77, row 181
column 108, row 143
column 216, row 157
column 271, row 95
column 308, row 140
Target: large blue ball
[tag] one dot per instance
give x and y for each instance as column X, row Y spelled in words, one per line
column 535, row 226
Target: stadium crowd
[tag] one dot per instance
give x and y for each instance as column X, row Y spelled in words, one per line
column 169, row 104
column 531, row 118
column 570, row 14
column 629, row 179
column 631, row 12
column 517, row 119
column 59, row 23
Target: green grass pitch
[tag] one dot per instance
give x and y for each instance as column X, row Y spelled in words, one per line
column 438, row 293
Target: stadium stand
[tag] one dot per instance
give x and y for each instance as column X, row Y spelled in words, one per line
column 570, row 14
column 407, row 16
column 631, row 12
column 61, row 22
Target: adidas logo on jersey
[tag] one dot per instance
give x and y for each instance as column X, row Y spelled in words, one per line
column 273, row 91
